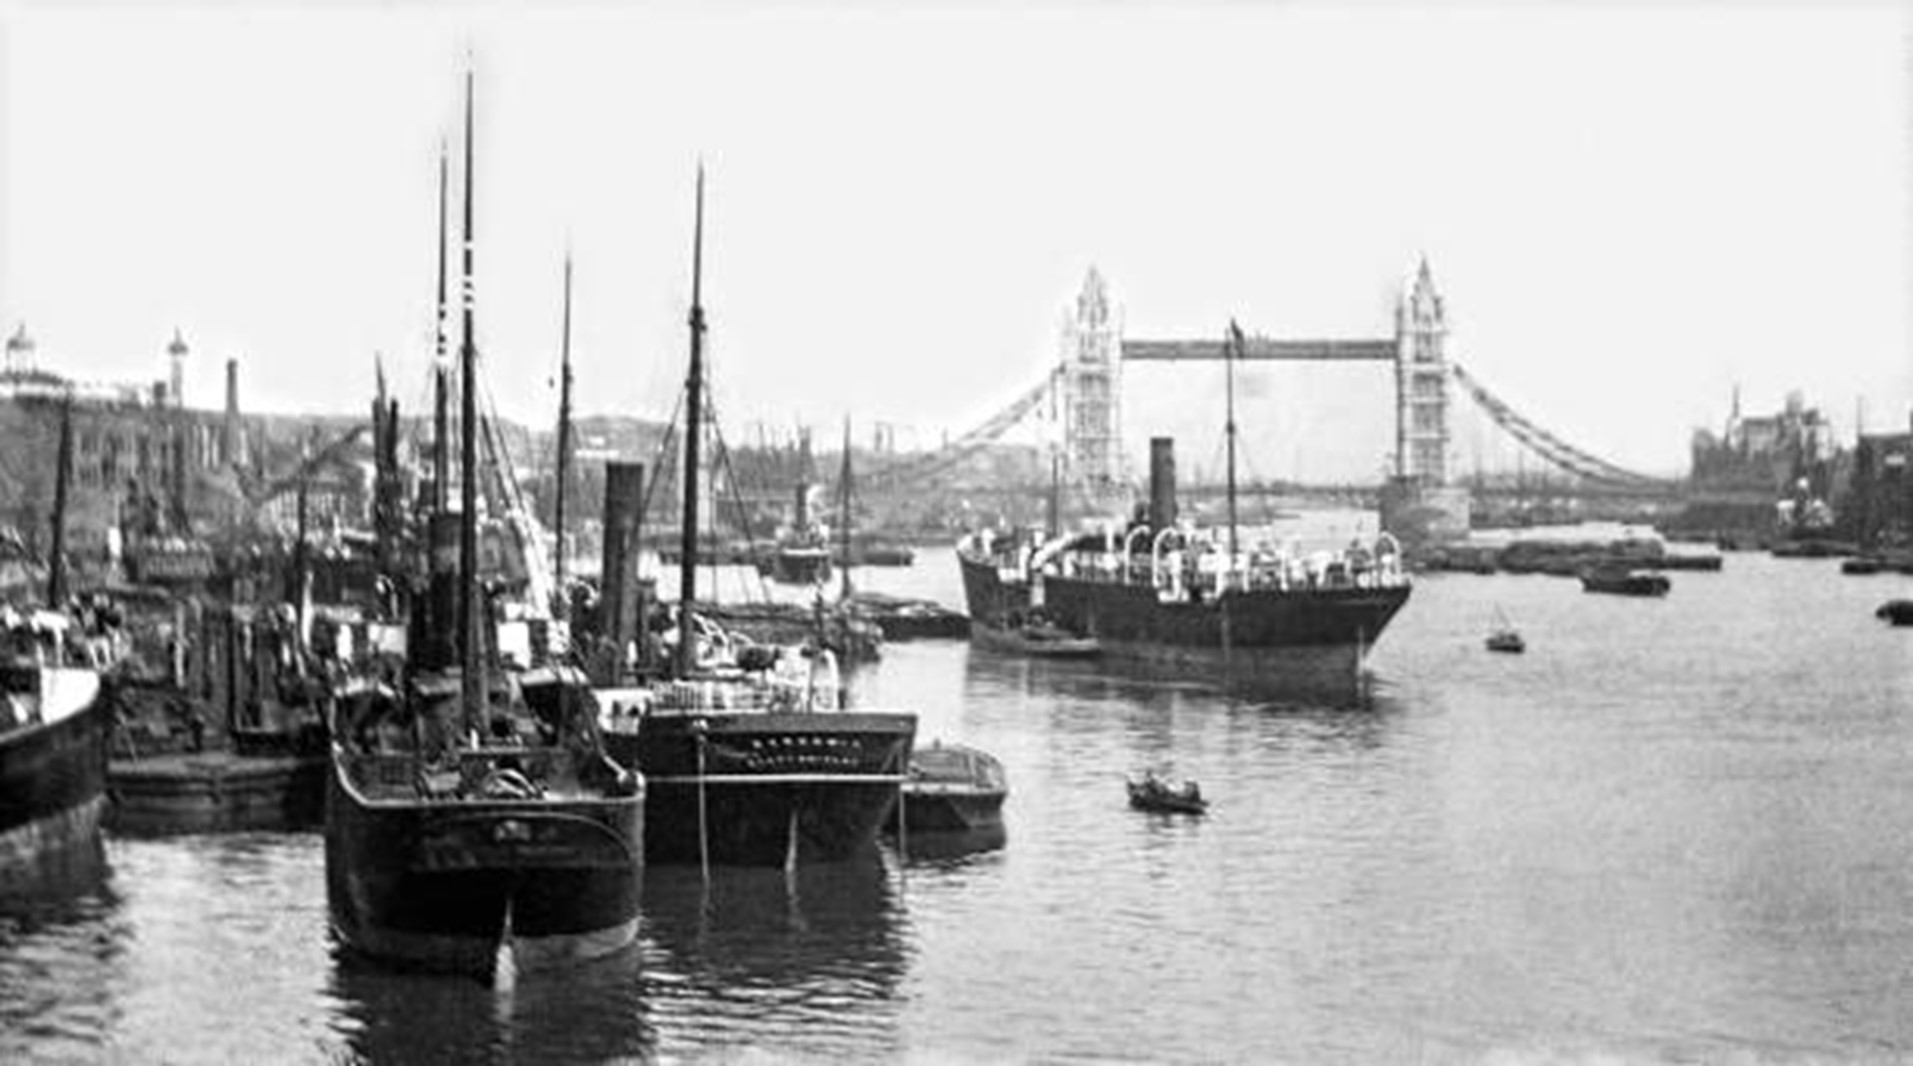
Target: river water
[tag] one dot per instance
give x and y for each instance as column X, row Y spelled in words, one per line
column 1673, row 830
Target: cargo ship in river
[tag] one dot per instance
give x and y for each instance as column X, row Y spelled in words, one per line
column 1193, row 600
column 749, row 755
column 471, row 810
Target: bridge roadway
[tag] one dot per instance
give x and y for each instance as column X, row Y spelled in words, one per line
column 1667, row 492
column 1261, row 348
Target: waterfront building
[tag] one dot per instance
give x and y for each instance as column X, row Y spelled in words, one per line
column 1769, row 453
column 1879, row 499
column 145, row 464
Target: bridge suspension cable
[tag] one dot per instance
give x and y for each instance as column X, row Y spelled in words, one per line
column 970, row 443
column 1545, row 444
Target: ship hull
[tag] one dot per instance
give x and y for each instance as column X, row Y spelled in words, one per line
column 797, row 566
column 936, row 809
column 988, row 595
column 52, row 793
column 766, row 789
column 1303, row 639
column 1038, row 645
column 444, row 884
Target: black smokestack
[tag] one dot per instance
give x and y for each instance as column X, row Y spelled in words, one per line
column 1162, row 482
column 618, row 596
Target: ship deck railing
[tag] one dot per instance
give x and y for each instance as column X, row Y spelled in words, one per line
column 1178, row 580
column 624, row 710
column 463, row 773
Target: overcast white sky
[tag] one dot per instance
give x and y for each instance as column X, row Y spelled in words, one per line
column 1628, row 210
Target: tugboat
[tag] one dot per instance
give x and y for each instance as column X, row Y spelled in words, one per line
column 750, row 758
column 470, row 810
column 797, row 560
column 1195, row 600
column 801, row 555
column 1151, row 793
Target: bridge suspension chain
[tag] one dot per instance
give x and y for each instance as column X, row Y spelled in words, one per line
column 971, row 442
column 1545, row 444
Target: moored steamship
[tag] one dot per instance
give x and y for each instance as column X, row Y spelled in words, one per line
column 749, row 754
column 472, row 808
column 1192, row 599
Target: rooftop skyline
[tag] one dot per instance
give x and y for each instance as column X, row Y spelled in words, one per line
column 1629, row 212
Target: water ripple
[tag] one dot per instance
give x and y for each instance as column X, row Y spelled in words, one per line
column 1671, row 831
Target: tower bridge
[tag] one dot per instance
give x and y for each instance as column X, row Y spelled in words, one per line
column 1421, row 496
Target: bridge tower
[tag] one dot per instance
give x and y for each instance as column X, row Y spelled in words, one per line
column 1421, row 383
column 1418, row 504
column 1091, row 383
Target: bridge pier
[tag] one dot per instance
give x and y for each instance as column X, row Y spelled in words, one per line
column 1416, row 513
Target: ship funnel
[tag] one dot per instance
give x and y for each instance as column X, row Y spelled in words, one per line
column 1162, row 482
column 621, row 599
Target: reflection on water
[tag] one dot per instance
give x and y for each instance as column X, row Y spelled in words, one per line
column 1159, row 717
column 989, row 672
column 808, row 960
column 54, row 880
column 62, row 943
column 594, row 1012
column 1672, row 830
column 943, row 849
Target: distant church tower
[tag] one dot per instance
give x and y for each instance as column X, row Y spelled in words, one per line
column 19, row 351
column 176, row 371
column 1421, row 384
column 1092, row 391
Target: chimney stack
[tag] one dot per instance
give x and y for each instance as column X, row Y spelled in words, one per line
column 229, row 433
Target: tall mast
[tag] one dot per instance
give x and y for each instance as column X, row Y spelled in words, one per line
column 441, row 367
column 301, row 563
column 843, row 512
column 1053, row 513
column 1230, row 351
column 56, row 559
column 471, row 686
column 384, row 470
column 564, row 445
column 693, row 394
